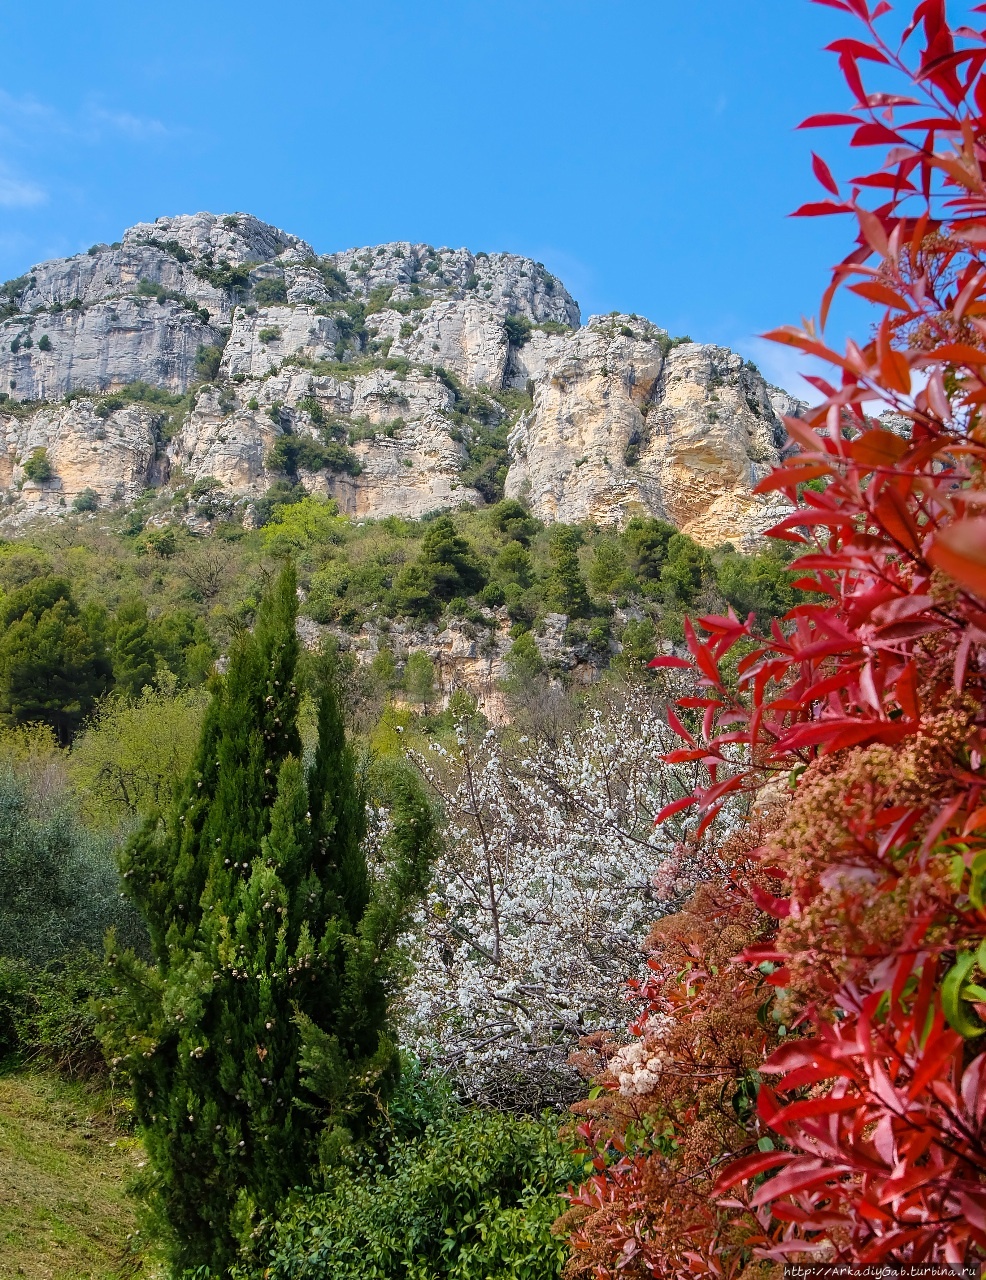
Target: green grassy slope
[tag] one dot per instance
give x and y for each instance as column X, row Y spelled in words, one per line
column 64, row 1211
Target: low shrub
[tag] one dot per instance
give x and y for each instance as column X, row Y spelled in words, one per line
column 472, row 1197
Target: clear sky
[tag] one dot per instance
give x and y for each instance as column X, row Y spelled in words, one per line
column 644, row 150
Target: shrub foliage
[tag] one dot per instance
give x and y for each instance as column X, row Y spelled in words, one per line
column 860, row 917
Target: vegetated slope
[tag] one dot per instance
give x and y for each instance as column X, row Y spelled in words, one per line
column 64, row 1165
column 399, row 379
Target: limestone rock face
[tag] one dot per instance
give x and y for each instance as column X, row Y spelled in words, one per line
column 510, row 284
column 259, row 342
column 116, row 456
column 620, row 428
column 467, row 337
column 102, row 347
column 396, row 368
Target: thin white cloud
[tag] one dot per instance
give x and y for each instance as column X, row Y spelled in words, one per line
column 93, row 122
column 19, row 193
column 139, row 128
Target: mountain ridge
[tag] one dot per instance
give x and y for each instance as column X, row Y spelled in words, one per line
column 397, row 378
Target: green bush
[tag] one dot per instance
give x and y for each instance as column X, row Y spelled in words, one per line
column 38, row 466
column 59, row 887
column 46, row 1014
column 524, row 657
column 518, row 330
column 270, row 334
column 86, row 500
column 289, row 452
column 44, row 343
column 270, row 292
column 473, row 1198
column 207, row 361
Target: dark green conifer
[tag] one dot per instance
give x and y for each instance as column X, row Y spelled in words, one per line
column 256, row 1040
column 134, row 659
column 565, row 588
column 446, row 567
column 52, row 663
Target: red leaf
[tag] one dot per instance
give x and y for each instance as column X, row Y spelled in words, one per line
column 676, row 806
column 749, row 1167
column 960, row 551
column 826, row 119
column 780, row 908
column 856, row 49
column 797, row 1176
column 824, row 174
column 671, row 662
column 818, row 208
column 878, row 448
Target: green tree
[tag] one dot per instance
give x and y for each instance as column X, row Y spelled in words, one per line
column 524, row 660
column 419, row 679
column 565, row 589
column 256, row 1039
column 514, row 565
column 759, row 584
column 52, row 664
column 182, row 643
column 609, row 573
column 132, row 755
column 134, row 659
column 513, row 520
column 685, row 567
column 639, row 641
column 446, row 567
column 647, row 541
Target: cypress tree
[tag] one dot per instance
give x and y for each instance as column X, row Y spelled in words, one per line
column 255, row 1040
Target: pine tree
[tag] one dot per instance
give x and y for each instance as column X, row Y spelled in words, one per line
column 566, row 590
column 134, row 659
column 52, row 664
column 256, row 1039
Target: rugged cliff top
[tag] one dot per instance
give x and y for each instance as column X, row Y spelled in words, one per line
column 398, row 378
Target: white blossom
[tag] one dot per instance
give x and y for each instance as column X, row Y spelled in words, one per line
column 551, row 874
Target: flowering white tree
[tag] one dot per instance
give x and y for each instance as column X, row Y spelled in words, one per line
column 552, row 870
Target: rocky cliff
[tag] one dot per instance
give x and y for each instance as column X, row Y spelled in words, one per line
column 397, row 378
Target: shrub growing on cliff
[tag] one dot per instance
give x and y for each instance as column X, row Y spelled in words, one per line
column 270, row 292
column 38, row 467
column 207, row 361
column 85, row 500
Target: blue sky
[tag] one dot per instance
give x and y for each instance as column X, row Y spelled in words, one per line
column 644, row 150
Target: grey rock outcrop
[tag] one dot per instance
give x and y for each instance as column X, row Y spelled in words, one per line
column 47, row 355
column 398, row 369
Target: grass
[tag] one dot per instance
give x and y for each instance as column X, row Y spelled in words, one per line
column 64, row 1165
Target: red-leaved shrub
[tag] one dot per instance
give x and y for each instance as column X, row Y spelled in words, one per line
column 863, row 909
